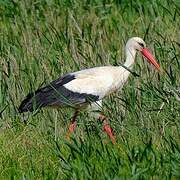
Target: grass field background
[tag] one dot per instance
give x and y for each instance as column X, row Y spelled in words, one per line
column 42, row 40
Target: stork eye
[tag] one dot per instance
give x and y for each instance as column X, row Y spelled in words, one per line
column 141, row 44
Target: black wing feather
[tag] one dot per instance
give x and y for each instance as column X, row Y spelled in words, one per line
column 55, row 94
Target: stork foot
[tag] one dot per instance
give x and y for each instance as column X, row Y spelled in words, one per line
column 109, row 132
column 107, row 128
column 71, row 129
column 72, row 125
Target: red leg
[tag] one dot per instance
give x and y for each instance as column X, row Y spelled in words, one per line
column 72, row 125
column 109, row 132
column 108, row 129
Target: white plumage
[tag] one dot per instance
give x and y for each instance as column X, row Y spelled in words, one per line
column 99, row 81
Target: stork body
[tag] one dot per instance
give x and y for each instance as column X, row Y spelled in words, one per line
column 81, row 88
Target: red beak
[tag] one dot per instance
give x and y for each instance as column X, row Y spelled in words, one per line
column 150, row 57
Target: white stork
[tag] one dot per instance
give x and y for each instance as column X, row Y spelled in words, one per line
column 87, row 87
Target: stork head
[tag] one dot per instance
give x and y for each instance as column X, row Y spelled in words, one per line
column 138, row 44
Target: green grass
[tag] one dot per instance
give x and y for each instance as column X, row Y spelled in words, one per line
column 42, row 40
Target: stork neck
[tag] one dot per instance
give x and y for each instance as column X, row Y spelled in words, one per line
column 130, row 57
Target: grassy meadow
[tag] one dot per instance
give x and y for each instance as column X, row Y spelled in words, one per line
column 42, row 40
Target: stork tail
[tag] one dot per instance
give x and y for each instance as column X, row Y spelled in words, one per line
column 31, row 102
